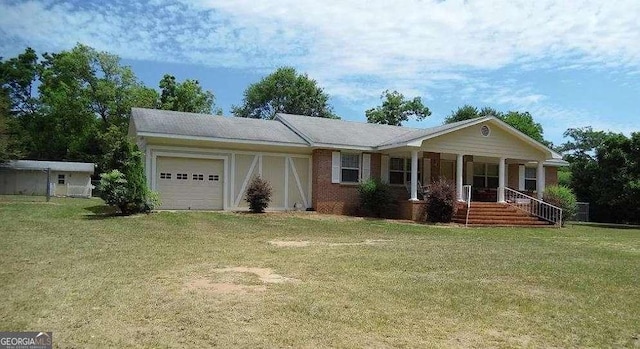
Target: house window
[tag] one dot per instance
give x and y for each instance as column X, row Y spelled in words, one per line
column 485, row 175
column 530, row 176
column 165, row 175
column 182, row 176
column 350, row 167
column 214, row 178
column 400, row 170
column 198, row 177
column 61, row 179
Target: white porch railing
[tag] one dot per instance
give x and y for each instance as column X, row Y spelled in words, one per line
column 533, row 206
column 466, row 196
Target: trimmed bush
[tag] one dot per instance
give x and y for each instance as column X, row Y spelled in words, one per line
column 258, row 195
column 125, row 186
column 375, row 197
column 562, row 197
column 441, row 201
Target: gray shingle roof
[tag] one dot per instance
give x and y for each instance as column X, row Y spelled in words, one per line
column 343, row 133
column 53, row 165
column 211, row 126
column 288, row 129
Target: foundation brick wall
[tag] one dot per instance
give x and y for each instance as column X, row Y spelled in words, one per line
column 336, row 198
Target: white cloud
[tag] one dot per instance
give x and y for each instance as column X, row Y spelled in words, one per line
column 355, row 49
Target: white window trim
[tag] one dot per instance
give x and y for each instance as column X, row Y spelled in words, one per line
column 359, row 168
column 534, row 178
column 406, row 171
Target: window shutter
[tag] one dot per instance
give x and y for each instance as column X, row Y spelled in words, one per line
column 469, row 173
column 384, row 168
column 521, row 177
column 366, row 166
column 335, row 167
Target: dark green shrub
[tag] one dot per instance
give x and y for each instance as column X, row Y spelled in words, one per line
column 125, row 185
column 375, row 197
column 258, row 195
column 562, row 197
column 441, row 201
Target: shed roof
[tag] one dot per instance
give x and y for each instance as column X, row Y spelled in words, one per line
column 33, row 165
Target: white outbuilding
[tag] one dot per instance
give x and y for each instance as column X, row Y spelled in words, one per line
column 30, row 177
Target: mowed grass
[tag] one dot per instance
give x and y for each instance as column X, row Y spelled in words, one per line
column 126, row 281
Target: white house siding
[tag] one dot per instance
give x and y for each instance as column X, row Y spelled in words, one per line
column 30, row 182
column 288, row 173
column 469, row 141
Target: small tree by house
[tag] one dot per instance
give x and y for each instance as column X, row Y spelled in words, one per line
column 258, row 195
column 375, row 197
column 562, row 197
column 125, row 185
column 441, row 201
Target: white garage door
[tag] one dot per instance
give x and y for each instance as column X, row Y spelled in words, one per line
column 190, row 184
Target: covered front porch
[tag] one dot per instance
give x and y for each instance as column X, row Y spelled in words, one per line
column 488, row 176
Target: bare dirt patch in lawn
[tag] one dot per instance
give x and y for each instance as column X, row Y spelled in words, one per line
column 306, row 243
column 279, row 243
column 236, row 280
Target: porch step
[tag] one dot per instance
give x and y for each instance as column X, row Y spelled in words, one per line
column 496, row 214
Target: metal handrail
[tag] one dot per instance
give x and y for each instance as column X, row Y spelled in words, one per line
column 466, row 190
column 533, row 206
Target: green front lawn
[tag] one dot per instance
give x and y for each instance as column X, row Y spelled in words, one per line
column 198, row 279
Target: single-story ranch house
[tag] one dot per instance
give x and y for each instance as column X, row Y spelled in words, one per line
column 29, row 177
column 205, row 162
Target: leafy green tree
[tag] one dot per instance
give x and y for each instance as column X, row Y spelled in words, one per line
column 5, row 153
column 605, row 171
column 523, row 122
column 80, row 94
column 395, row 109
column 580, row 151
column 124, row 185
column 467, row 112
column 18, row 99
column 284, row 91
column 67, row 116
column 187, row 96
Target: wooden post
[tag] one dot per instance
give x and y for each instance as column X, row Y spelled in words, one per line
column 48, row 184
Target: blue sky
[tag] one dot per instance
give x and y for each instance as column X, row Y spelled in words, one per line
column 569, row 63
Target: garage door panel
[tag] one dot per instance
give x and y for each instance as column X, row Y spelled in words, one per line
column 188, row 183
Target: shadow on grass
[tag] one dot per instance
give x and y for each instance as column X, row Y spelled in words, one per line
column 605, row 225
column 100, row 212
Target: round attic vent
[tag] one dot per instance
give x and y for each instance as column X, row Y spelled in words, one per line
column 485, row 130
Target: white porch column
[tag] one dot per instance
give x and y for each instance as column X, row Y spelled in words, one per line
column 414, row 175
column 459, row 165
column 540, row 183
column 501, row 179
